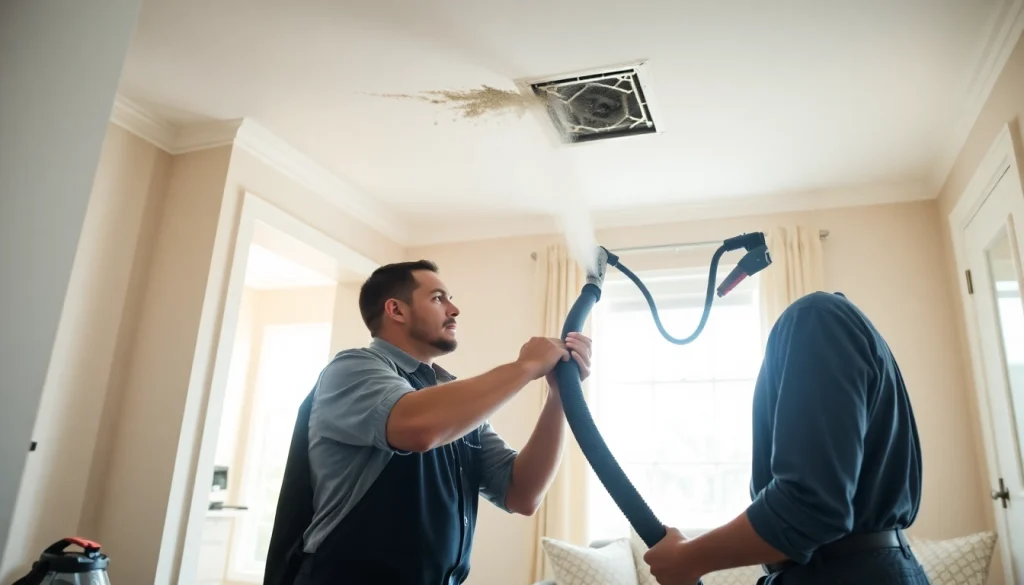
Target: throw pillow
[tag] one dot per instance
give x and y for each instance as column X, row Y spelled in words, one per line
column 956, row 561
column 737, row 576
column 611, row 564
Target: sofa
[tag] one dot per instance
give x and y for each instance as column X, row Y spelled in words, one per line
column 963, row 560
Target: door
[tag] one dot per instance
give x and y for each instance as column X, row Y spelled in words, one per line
column 992, row 245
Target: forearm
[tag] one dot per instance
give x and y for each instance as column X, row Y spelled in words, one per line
column 735, row 544
column 536, row 464
column 438, row 415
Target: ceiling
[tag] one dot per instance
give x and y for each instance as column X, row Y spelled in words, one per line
column 754, row 101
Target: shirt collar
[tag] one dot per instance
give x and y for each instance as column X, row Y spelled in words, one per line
column 408, row 363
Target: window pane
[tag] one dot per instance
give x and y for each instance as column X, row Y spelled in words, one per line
column 685, row 496
column 733, row 421
column 683, row 419
column 677, row 417
column 675, row 363
column 623, row 349
column 624, row 419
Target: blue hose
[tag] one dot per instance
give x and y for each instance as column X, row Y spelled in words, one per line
column 581, row 423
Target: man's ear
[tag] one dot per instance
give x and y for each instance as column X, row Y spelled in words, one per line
column 394, row 309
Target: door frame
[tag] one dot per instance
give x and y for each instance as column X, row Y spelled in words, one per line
column 255, row 210
column 1001, row 160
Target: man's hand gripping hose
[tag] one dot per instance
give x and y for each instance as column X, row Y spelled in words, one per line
column 581, row 423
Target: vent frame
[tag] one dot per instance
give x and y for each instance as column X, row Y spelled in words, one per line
column 639, row 101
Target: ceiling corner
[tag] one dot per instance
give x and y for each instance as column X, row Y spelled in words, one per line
column 276, row 152
column 135, row 119
column 261, row 142
column 1004, row 32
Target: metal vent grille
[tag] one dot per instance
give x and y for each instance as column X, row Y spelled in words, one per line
column 601, row 105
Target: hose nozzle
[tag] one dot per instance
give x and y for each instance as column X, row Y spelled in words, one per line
column 754, row 261
column 604, row 258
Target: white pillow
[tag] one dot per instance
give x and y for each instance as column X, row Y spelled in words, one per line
column 956, row 561
column 611, row 564
column 737, row 576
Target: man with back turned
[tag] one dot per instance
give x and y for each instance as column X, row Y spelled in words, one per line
column 836, row 473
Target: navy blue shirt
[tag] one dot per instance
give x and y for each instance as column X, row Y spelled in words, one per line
column 836, row 447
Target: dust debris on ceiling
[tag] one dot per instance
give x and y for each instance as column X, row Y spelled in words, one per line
column 478, row 102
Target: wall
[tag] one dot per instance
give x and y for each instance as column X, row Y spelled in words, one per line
column 149, row 485
column 134, row 510
column 887, row 259
column 57, row 490
column 349, row 331
column 1005, row 105
column 61, row 65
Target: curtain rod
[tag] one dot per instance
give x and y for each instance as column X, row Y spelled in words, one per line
column 821, row 234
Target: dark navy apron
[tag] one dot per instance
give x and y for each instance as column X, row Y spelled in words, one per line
column 414, row 526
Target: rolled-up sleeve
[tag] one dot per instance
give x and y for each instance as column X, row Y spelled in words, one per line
column 354, row 399
column 497, row 460
column 822, row 375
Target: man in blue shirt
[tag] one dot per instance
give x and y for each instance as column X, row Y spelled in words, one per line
column 391, row 454
column 836, row 462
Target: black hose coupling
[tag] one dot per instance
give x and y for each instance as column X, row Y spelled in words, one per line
column 746, row 241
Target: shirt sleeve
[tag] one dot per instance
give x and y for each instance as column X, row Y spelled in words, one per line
column 497, row 459
column 822, row 373
column 354, row 399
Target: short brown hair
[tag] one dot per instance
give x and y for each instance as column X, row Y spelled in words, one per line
column 391, row 281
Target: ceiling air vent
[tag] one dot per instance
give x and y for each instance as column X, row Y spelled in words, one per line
column 598, row 105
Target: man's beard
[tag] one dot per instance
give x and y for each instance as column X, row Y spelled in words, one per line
column 436, row 341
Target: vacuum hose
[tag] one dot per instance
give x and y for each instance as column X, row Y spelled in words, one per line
column 581, row 423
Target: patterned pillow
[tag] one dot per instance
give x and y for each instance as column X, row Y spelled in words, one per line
column 737, row 576
column 956, row 561
column 611, row 564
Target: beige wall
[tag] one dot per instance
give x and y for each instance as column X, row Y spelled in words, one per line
column 887, row 259
column 1005, row 105
column 58, row 495
column 118, row 428
column 160, row 431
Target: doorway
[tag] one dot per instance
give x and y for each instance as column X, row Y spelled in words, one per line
column 291, row 305
column 988, row 227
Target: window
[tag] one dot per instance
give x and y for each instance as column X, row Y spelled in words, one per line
column 676, row 417
column 291, row 357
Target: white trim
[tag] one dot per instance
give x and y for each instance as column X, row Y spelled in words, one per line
column 1000, row 159
column 254, row 209
column 205, row 135
column 1005, row 29
column 274, row 151
column 270, row 149
column 503, row 225
column 135, row 119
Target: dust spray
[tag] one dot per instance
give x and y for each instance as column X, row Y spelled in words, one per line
column 568, row 205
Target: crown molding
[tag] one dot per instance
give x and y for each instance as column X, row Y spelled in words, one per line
column 1005, row 30
column 135, row 119
column 259, row 141
column 275, row 152
column 505, row 225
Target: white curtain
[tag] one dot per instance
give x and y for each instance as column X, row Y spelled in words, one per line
column 562, row 515
column 797, row 269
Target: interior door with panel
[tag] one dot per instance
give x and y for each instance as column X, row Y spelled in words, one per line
column 990, row 248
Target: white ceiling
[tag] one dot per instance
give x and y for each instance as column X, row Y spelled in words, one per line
column 762, row 101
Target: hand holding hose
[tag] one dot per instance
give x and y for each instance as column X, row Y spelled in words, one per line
column 540, row 355
column 580, row 346
column 667, row 563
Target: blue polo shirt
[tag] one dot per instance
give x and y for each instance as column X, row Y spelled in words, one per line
column 348, row 447
column 836, row 448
